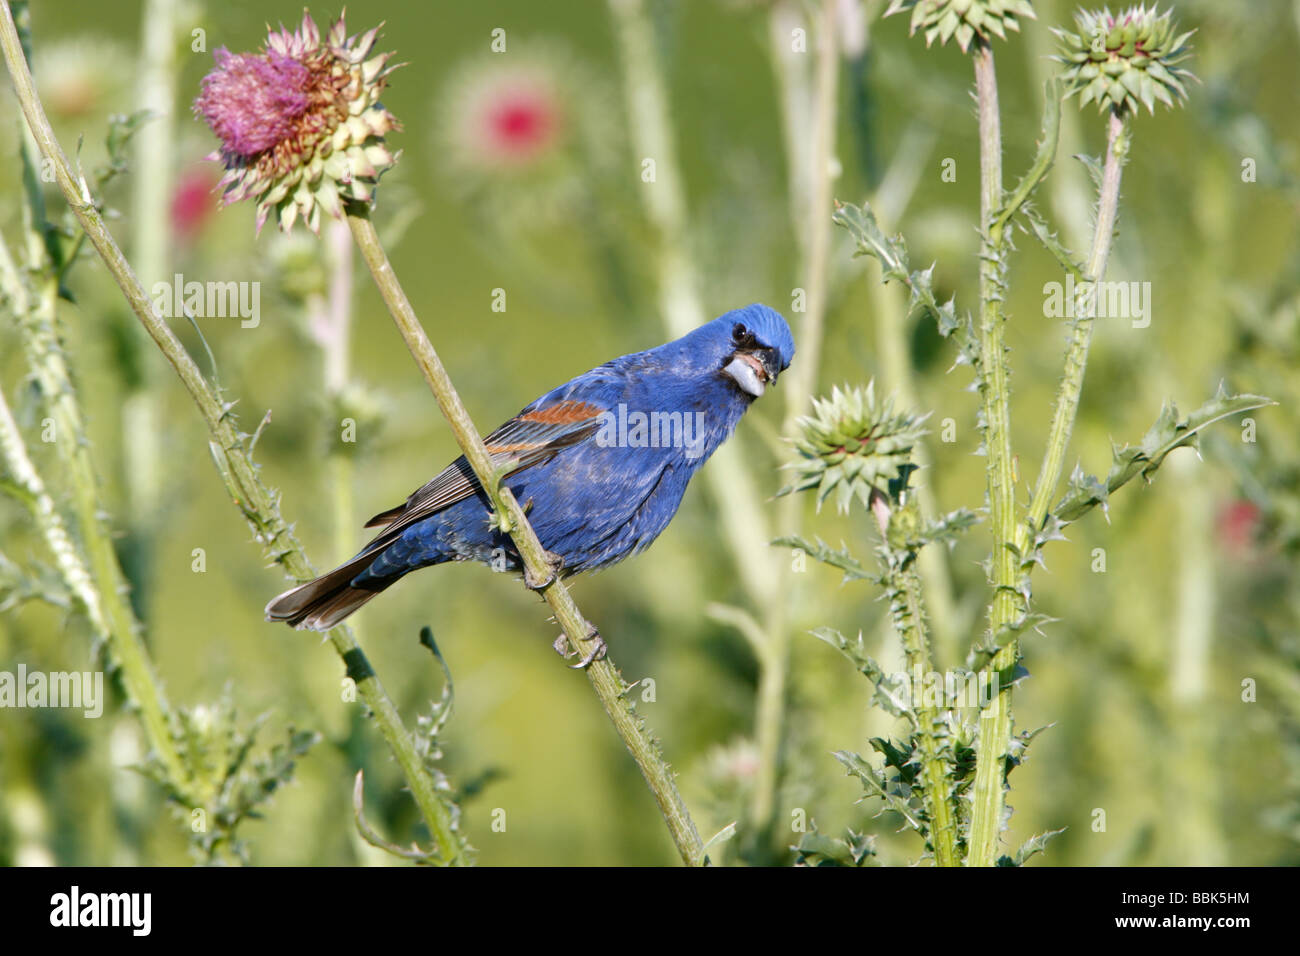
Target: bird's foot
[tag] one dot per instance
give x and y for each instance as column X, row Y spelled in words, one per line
column 597, row 653
column 554, row 565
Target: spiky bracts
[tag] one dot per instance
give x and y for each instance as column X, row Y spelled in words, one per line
column 851, row 445
column 943, row 20
column 1122, row 60
column 300, row 123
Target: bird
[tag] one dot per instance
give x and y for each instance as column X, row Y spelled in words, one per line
column 600, row 465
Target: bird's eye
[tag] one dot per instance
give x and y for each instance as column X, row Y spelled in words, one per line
column 739, row 332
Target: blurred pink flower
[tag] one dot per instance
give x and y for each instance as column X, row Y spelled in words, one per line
column 510, row 118
column 192, row 202
column 526, row 137
column 1238, row 525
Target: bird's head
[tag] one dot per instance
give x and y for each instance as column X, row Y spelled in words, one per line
column 753, row 345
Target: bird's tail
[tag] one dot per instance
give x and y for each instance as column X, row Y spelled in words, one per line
column 321, row 604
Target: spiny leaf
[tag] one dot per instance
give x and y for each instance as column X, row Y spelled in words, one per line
column 1035, row 844
column 1093, row 165
column 853, row 568
column 876, row 786
column 950, row 527
column 892, row 254
column 1043, row 158
column 1169, row 432
column 861, row 223
column 1038, row 226
column 887, row 699
column 816, row 849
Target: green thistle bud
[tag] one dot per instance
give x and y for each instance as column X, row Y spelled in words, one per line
column 963, row 19
column 852, row 445
column 1121, row 61
column 301, row 126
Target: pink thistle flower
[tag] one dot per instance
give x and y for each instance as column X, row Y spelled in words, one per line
column 253, row 102
column 300, row 122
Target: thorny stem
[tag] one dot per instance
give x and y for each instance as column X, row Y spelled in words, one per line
column 995, row 726
column 903, row 586
column 1085, row 310
column 229, row 449
column 605, row 678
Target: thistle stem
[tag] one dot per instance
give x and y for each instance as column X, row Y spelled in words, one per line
column 907, row 610
column 934, row 769
column 1085, row 310
column 604, row 676
column 229, row 448
column 995, row 724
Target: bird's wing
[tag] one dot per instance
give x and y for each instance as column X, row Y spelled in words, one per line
column 532, row 437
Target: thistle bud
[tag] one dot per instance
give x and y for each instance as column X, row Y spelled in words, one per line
column 1122, row 60
column 852, row 445
column 943, row 20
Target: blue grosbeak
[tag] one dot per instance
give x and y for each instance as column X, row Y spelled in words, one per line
column 600, row 463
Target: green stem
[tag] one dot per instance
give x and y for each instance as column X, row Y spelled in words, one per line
column 153, row 159
column 934, row 769
column 1085, row 308
column 605, row 678
column 995, row 724
column 907, row 610
column 228, row 446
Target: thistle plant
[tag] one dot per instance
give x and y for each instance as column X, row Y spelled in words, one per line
column 1119, row 61
column 860, row 450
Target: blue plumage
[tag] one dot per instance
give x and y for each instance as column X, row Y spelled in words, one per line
column 601, row 464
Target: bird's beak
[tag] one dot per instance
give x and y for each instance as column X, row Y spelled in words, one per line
column 752, row 372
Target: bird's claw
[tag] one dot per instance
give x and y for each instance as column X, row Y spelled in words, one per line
column 598, row 650
column 554, row 564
